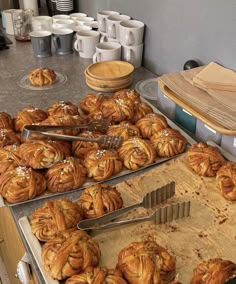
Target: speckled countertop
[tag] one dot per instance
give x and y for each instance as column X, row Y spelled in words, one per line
column 15, row 63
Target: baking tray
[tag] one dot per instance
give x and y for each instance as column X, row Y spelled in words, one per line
column 197, row 237
column 123, row 173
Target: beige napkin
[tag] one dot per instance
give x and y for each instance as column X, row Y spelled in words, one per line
column 216, row 77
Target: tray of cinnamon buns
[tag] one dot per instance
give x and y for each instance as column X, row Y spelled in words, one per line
column 41, row 167
column 196, row 249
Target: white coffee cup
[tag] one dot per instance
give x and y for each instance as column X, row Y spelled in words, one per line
column 92, row 24
column 59, row 17
column 63, row 41
column 113, row 26
column 132, row 54
column 82, row 28
column 83, row 20
column 86, row 42
column 7, row 15
column 73, row 16
column 64, row 24
column 106, row 51
column 102, row 19
column 131, row 32
column 42, row 23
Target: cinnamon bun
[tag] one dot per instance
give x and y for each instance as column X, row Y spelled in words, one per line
column 91, row 103
column 5, row 120
column 42, row 76
column 124, row 129
column 62, row 108
column 8, row 137
column 9, row 160
column 140, row 110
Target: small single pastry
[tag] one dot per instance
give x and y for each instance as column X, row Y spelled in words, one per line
column 168, row 142
column 65, row 175
column 204, row 159
column 63, row 108
column 91, row 102
column 151, row 124
column 21, row 183
column 70, row 253
column 136, row 153
column 40, row 154
column 8, row 137
column 42, row 76
column 81, row 148
column 9, row 160
column 102, row 164
column 140, row 110
column 54, row 216
column 130, row 93
column 146, row 262
column 65, row 146
column 215, row 271
column 124, row 129
column 226, row 180
column 117, row 110
column 28, row 115
column 99, row 199
column 97, row 275
column 5, row 120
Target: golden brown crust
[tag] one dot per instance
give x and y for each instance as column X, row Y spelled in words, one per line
column 21, row 183
column 42, row 77
column 136, row 152
column 65, row 175
column 151, row 123
column 140, row 110
column 226, row 180
column 129, row 93
column 97, row 275
column 102, row 164
column 168, row 142
column 71, row 252
column 53, row 217
column 5, row 120
column 204, row 159
column 91, row 103
column 28, row 115
column 9, row 160
column 124, row 129
column 146, row 262
column 213, row 271
column 63, row 108
column 8, row 137
column 40, row 154
column 99, row 199
column 81, row 148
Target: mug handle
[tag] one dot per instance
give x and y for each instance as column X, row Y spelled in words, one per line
column 129, row 38
column 78, row 45
column 57, row 42
column 112, row 31
column 97, row 57
column 103, row 38
column 42, row 45
column 103, row 25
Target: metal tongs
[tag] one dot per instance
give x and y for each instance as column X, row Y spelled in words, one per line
column 101, row 125
column 161, row 215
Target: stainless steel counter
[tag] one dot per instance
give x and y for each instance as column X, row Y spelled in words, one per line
column 15, row 63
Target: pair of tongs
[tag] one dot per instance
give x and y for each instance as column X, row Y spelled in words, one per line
column 164, row 214
column 101, row 125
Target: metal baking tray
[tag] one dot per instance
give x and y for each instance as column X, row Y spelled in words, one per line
column 124, row 172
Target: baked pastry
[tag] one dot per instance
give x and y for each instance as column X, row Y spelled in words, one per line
column 70, row 253
column 97, row 275
column 40, row 154
column 42, row 76
column 91, row 102
column 65, row 175
column 140, row 110
column 226, row 180
column 28, row 115
column 168, row 142
column 66, row 147
column 9, row 160
column 99, row 199
column 124, row 129
column 102, row 164
column 5, row 120
column 21, row 183
column 151, row 124
column 204, row 159
column 63, row 108
column 136, row 153
column 146, row 262
column 117, row 110
column 53, row 217
column 129, row 93
column 8, row 137
column 213, row 271
column 81, row 148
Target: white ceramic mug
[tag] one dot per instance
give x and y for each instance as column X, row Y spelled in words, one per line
column 42, row 23
column 82, row 20
column 86, row 42
column 73, row 16
column 82, row 28
column 64, row 24
column 59, row 17
column 113, row 26
column 133, row 54
column 107, row 51
column 102, row 19
column 7, row 15
column 131, row 32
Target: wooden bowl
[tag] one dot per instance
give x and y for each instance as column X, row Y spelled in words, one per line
column 108, row 89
